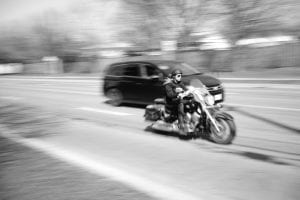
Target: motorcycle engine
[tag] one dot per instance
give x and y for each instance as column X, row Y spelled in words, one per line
column 190, row 121
column 190, row 107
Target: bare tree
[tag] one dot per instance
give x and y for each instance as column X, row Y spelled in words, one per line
column 248, row 18
column 168, row 19
column 244, row 19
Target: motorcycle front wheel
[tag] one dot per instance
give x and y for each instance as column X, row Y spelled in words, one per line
column 227, row 131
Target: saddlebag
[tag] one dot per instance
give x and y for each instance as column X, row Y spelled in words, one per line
column 153, row 112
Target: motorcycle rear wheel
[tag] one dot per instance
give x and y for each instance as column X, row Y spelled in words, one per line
column 226, row 133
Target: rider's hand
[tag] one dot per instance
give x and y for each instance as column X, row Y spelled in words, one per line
column 181, row 95
column 179, row 90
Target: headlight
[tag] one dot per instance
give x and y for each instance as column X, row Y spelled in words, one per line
column 209, row 100
column 189, row 87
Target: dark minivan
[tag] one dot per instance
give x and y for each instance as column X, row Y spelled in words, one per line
column 142, row 81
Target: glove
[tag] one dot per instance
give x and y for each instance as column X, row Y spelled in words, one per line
column 181, row 95
column 178, row 90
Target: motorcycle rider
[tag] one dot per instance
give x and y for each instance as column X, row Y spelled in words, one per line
column 174, row 89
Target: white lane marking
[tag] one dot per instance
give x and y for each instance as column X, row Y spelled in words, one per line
column 11, row 98
column 262, row 79
column 229, row 93
column 143, row 184
column 253, row 97
column 49, row 80
column 97, row 79
column 62, row 91
column 67, row 91
column 55, row 77
column 97, row 94
column 259, row 85
column 263, row 107
column 70, row 92
column 262, row 90
column 104, row 111
column 229, row 85
column 101, row 76
column 93, row 87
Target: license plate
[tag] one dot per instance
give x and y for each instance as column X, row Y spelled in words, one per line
column 218, row 97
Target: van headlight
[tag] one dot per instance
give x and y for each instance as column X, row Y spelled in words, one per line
column 209, row 100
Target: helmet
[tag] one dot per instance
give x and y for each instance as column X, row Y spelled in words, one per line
column 175, row 72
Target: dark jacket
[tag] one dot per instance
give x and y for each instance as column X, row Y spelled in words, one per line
column 171, row 94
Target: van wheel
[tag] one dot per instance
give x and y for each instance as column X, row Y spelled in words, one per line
column 115, row 96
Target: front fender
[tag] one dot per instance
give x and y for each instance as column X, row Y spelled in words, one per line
column 223, row 115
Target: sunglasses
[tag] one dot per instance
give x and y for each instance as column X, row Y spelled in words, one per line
column 178, row 75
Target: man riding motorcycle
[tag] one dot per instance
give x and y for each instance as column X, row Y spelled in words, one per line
column 195, row 109
column 174, row 89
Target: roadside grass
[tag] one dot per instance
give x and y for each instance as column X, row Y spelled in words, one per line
column 27, row 121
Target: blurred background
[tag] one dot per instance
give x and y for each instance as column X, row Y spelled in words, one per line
column 53, row 53
column 64, row 36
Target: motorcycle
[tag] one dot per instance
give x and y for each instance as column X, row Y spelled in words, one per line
column 202, row 117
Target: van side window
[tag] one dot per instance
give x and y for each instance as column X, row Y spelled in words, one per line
column 117, row 70
column 131, row 70
column 151, row 70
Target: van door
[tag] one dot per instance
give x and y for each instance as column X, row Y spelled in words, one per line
column 153, row 83
column 132, row 82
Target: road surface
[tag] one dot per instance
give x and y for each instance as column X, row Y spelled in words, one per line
column 80, row 129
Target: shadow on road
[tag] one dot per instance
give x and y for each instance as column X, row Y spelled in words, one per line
column 253, row 154
column 276, row 123
column 258, row 156
column 132, row 105
column 139, row 106
column 266, row 149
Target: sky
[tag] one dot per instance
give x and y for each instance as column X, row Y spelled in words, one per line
column 22, row 9
column 76, row 16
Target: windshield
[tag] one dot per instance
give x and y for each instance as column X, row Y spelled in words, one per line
column 184, row 67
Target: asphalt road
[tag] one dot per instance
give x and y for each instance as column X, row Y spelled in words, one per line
column 28, row 174
column 79, row 128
